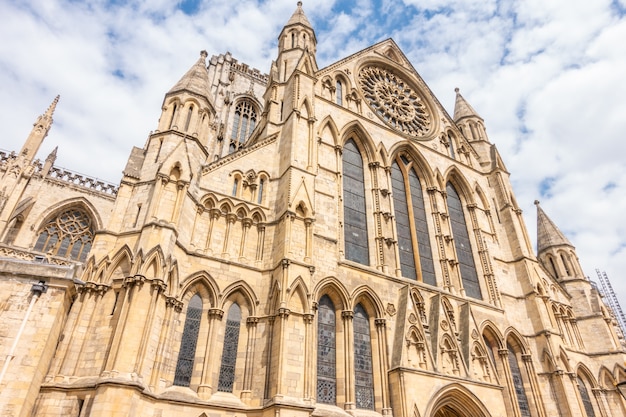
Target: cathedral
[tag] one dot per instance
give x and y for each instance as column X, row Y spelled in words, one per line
column 325, row 242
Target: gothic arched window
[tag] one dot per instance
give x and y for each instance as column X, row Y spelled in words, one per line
column 451, row 144
column 187, row 352
column 339, row 93
column 584, row 396
column 410, row 215
column 354, row 208
column 260, row 194
column 188, row 121
column 68, row 235
column 363, row 376
column 243, row 124
column 229, row 352
column 326, row 356
column 518, row 383
column 464, row 254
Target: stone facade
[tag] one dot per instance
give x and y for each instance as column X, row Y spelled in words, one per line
column 324, row 242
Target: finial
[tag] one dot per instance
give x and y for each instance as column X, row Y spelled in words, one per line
column 204, row 54
column 456, row 90
column 536, row 202
column 299, row 4
column 53, row 106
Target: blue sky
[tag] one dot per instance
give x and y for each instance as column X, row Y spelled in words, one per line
column 547, row 77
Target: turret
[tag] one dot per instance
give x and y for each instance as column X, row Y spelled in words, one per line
column 296, row 39
column 466, row 118
column 554, row 250
column 188, row 107
column 40, row 130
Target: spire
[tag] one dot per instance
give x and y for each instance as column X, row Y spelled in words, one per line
column 299, row 18
column 196, row 80
column 53, row 155
column 40, row 130
column 548, row 235
column 462, row 108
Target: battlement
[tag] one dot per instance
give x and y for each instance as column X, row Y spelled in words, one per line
column 61, row 174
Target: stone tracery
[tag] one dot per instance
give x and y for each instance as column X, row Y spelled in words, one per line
column 394, row 101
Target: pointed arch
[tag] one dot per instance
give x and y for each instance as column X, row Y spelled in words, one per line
column 298, row 296
column 355, row 131
column 305, row 108
column 455, row 399
column 335, row 289
column 240, row 290
column 328, row 125
column 606, row 380
column 152, row 267
column 370, row 300
column 198, row 280
column 121, row 264
column 461, row 184
column 68, row 229
column 417, row 161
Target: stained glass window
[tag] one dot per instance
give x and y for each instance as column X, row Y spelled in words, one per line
column 354, row 211
column 243, row 124
column 413, row 226
column 584, row 396
column 363, row 377
column 518, row 383
column 462, row 244
column 326, row 352
column 229, row 352
column 68, row 235
column 187, row 353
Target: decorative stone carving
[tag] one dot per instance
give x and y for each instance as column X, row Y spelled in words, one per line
column 395, row 101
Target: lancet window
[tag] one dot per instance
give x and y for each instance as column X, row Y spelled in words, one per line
column 518, row 383
column 339, row 93
column 410, row 215
column 363, row 376
column 326, row 352
column 354, row 207
column 584, row 396
column 187, row 352
column 69, row 235
column 462, row 245
column 243, row 124
column 229, row 353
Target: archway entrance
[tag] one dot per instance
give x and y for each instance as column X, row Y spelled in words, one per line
column 457, row 401
column 447, row 411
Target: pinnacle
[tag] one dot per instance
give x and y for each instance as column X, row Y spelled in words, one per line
column 462, row 108
column 548, row 234
column 196, row 80
column 53, row 106
column 299, row 17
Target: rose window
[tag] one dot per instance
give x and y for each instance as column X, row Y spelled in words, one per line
column 394, row 101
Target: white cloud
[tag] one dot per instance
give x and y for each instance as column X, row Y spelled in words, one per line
column 547, row 77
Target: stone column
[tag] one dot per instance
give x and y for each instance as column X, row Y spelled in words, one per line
column 205, row 389
column 383, row 363
column 348, row 337
column 246, row 392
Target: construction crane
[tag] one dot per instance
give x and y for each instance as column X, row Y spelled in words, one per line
column 611, row 300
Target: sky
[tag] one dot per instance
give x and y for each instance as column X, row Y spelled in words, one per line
column 548, row 77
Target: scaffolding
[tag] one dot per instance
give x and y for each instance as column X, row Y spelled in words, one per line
column 611, row 300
